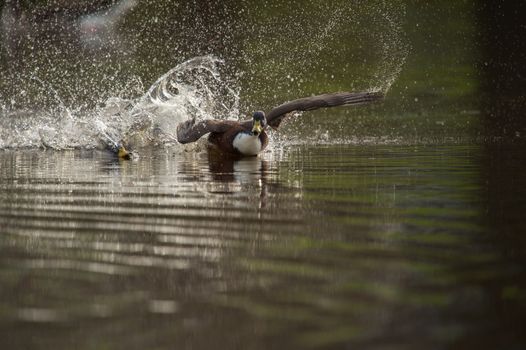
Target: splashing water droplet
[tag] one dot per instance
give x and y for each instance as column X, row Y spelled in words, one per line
column 193, row 88
column 290, row 55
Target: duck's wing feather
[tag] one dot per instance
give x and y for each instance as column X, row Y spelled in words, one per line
column 276, row 115
column 191, row 131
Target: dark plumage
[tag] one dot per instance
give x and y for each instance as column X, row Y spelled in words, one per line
column 242, row 137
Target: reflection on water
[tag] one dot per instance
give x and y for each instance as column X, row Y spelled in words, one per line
column 372, row 246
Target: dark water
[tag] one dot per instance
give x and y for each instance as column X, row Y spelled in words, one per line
column 344, row 246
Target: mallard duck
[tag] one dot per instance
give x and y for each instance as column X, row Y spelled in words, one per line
column 123, row 153
column 119, row 150
column 248, row 138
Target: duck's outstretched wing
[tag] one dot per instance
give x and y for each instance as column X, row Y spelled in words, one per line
column 276, row 115
column 191, row 131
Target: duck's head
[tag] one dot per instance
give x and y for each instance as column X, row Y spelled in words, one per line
column 259, row 123
column 122, row 153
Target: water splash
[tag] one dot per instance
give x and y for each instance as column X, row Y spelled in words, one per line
column 193, row 88
column 392, row 44
column 286, row 52
column 321, row 47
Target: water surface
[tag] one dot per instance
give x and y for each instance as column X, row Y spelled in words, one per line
column 375, row 246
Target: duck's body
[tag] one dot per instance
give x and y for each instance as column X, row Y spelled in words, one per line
column 239, row 139
column 248, row 138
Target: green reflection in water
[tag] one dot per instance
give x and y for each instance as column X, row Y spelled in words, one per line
column 367, row 251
